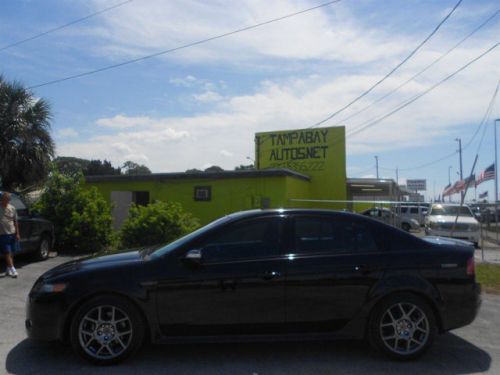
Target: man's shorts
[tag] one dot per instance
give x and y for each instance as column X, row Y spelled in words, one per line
column 8, row 243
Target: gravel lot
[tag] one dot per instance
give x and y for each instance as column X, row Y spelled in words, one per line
column 471, row 350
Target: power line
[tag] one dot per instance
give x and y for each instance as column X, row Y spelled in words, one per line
column 63, row 26
column 371, row 123
column 483, row 121
column 484, row 23
column 184, row 46
column 392, row 71
column 486, row 118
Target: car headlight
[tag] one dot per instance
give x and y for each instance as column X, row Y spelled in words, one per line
column 49, row 288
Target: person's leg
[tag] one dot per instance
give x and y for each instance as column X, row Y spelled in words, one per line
column 8, row 260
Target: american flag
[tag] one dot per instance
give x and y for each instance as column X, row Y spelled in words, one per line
column 483, row 195
column 487, row 174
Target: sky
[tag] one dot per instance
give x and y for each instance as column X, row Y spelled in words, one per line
column 202, row 105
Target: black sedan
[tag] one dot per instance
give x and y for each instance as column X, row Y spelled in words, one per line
column 260, row 275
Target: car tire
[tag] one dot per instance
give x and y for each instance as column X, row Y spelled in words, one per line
column 406, row 227
column 107, row 330
column 402, row 326
column 43, row 249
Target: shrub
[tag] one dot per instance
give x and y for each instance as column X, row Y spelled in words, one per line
column 81, row 217
column 156, row 223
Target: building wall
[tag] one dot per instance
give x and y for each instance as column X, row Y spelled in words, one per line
column 227, row 195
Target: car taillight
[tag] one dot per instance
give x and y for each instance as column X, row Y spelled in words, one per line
column 471, row 267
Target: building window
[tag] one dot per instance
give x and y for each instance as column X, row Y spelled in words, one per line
column 203, row 193
column 140, row 198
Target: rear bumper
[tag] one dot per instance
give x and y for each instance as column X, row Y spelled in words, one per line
column 460, row 309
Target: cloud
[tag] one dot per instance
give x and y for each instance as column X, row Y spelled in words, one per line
column 176, row 143
column 124, row 122
column 187, row 81
column 226, row 153
column 330, row 34
column 207, row 97
column 66, row 133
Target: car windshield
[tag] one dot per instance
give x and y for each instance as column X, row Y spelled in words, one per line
column 185, row 239
column 450, row 210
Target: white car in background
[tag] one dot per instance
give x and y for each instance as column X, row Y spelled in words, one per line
column 440, row 221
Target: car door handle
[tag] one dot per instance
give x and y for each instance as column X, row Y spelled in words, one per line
column 364, row 268
column 269, row 275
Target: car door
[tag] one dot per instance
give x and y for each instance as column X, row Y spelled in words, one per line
column 330, row 269
column 238, row 286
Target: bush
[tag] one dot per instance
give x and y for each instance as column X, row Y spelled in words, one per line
column 156, row 223
column 81, row 217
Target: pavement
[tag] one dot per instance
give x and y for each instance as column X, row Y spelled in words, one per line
column 474, row 349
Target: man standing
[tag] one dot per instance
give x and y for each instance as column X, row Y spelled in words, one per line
column 9, row 232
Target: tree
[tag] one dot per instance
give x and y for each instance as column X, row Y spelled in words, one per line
column 98, row 168
column 81, row 216
column 242, row 167
column 70, row 165
column 132, row 168
column 194, row 170
column 214, row 168
column 26, row 146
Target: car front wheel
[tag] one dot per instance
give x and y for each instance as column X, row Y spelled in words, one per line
column 402, row 326
column 107, row 330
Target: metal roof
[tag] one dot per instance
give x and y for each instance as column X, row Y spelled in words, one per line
column 200, row 175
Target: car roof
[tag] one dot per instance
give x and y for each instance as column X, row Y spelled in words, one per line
column 264, row 212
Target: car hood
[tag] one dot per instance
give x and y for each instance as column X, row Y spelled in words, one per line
column 451, row 219
column 446, row 241
column 97, row 261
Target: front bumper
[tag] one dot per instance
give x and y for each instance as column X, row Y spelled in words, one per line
column 472, row 236
column 45, row 316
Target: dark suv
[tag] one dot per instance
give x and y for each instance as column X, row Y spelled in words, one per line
column 37, row 234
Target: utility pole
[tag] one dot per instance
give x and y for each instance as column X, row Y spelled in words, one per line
column 461, row 168
column 449, row 182
column 496, row 162
column 496, row 179
column 376, row 165
column 397, row 176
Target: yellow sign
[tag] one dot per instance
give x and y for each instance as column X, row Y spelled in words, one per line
column 318, row 153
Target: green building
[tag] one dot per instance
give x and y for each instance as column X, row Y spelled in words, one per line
column 295, row 168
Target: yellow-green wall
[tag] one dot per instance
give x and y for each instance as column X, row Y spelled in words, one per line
column 318, row 153
column 227, row 194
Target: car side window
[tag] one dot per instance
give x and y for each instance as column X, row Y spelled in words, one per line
column 365, row 243
column 251, row 239
column 323, row 235
column 414, row 210
column 404, row 210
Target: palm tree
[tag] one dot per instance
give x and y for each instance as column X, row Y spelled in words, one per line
column 26, row 147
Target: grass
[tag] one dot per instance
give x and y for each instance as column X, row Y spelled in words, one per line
column 489, row 276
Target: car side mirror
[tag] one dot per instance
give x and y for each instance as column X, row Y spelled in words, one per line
column 193, row 257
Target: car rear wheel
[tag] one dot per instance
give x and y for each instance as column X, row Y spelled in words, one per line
column 406, row 227
column 402, row 326
column 43, row 248
column 107, row 330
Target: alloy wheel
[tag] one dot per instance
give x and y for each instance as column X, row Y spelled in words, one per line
column 404, row 328
column 105, row 332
